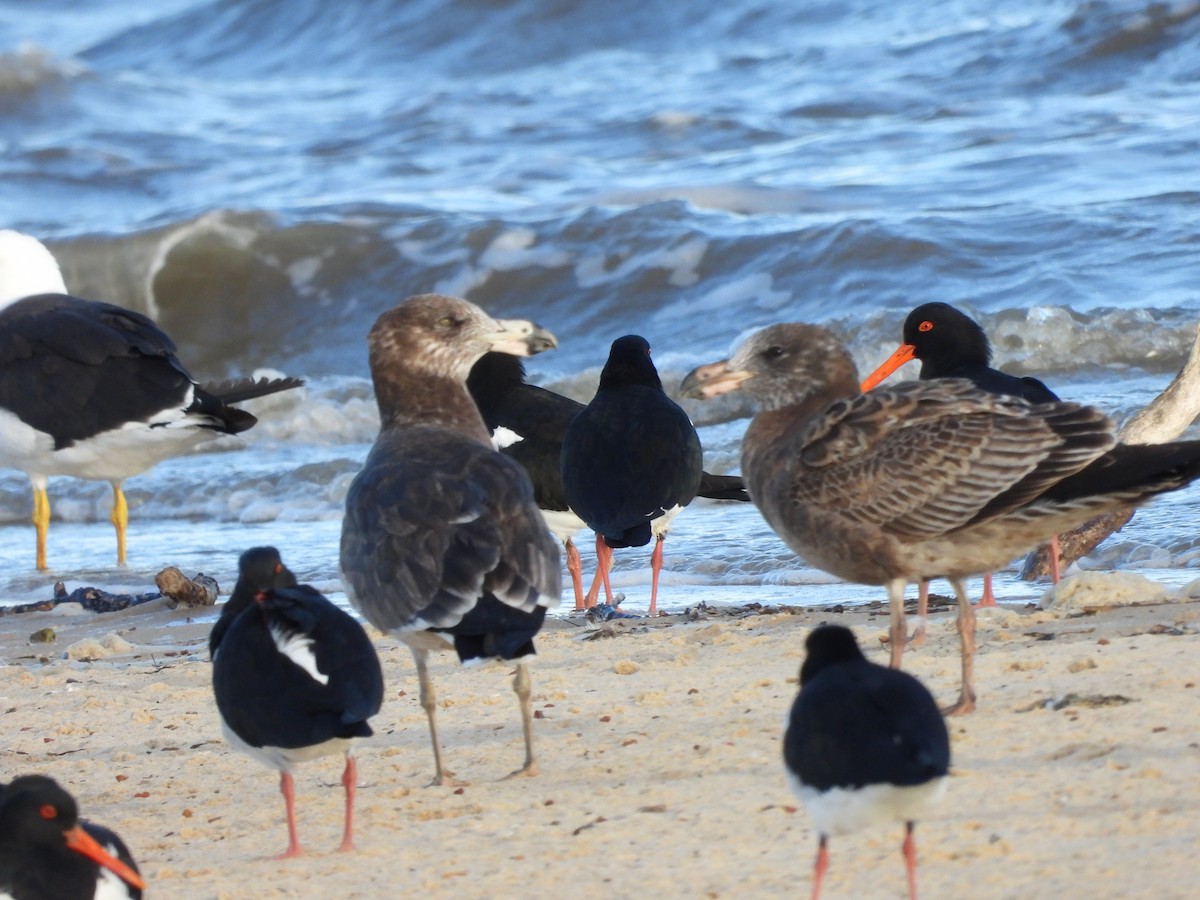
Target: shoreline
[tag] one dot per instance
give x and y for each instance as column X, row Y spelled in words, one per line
column 659, row 749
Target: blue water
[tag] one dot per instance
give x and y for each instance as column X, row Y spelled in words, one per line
column 265, row 177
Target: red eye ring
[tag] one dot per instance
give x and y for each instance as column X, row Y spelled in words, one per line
column 925, row 326
column 48, row 811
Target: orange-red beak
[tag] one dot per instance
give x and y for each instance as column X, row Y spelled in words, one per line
column 904, row 353
column 82, row 842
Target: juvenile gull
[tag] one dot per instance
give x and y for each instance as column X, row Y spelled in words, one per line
column 95, row 391
column 442, row 542
column 864, row 744
column 47, row 851
column 295, row 678
column 528, row 422
column 631, row 460
column 929, row 479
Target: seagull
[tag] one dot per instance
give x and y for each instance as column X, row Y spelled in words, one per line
column 950, row 344
column 928, row 479
column 631, row 460
column 442, row 543
column 295, row 678
column 527, row 422
column 47, row 851
column 95, row 391
column 864, row 744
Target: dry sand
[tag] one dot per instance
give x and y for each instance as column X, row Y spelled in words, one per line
column 660, row 763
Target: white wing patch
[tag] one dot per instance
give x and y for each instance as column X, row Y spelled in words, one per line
column 298, row 647
column 505, row 437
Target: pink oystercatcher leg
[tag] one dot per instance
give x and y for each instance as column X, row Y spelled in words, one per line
column 603, row 563
column 988, row 598
column 910, row 860
column 575, row 567
column 819, row 867
column 288, row 788
column 656, row 564
column 918, row 635
column 350, row 783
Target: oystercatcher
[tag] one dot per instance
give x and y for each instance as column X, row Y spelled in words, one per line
column 294, row 676
column 864, row 744
column 631, row 460
column 48, row 853
column 527, row 422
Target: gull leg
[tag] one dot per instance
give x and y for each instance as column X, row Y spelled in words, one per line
column 575, row 567
column 966, row 637
column 350, row 783
column 41, row 518
column 1055, row 570
column 898, row 633
column 442, row 775
column 523, row 689
column 287, row 787
column 120, row 519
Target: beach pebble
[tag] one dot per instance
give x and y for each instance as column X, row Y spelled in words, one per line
column 43, row 636
column 1090, row 590
column 99, row 648
column 625, row 667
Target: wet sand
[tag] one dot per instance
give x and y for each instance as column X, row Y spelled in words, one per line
column 659, row 747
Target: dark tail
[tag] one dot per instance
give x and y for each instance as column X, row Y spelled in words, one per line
column 1146, row 468
column 722, row 487
column 238, row 389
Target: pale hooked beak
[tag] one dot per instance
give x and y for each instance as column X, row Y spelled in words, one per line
column 520, row 337
column 712, row 380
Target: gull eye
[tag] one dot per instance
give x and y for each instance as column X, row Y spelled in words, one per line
column 447, row 322
column 925, row 326
column 773, row 352
column 48, row 811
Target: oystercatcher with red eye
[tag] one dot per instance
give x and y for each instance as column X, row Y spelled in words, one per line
column 48, row 853
column 295, row 678
column 631, row 460
column 950, row 344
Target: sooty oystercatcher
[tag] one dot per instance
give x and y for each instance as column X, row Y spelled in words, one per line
column 864, row 744
column 48, row 853
column 95, row 391
column 929, row 479
column 294, row 676
column 631, row 459
column 442, row 542
column 528, row 422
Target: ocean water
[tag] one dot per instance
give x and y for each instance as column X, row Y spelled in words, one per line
column 265, row 177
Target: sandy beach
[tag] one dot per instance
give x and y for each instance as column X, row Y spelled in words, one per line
column 659, row 748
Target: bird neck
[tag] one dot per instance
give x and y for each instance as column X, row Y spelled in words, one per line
column 435, row 400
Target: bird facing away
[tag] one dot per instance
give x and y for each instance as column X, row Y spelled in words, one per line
column 48, row 853
column 442, row 542
column 631, row 459
column 295, row 678
column 950, row 344
column 864, row 744
column 528, row 423
column 929, row 479
column 95, row 391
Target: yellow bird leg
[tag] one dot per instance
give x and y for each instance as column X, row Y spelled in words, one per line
column 41, row 521
column 120, row 518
